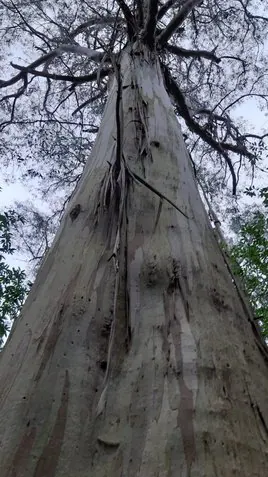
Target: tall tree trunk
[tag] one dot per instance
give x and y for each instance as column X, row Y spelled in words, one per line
column 134, row 355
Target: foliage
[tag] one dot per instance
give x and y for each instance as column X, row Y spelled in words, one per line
column 250, row 258
column 13, row 285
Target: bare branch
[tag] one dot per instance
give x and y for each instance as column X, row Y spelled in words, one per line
column 247, row 95
column 174, row 24
column 232, row 131
column 236, row 58
column 95, row 21
column 80, row 50
column 209, row 55
column 73, row 79
column 94, row 129
column 250, row 15
column 16, row 96
column 236, row 148
column 255, row 136
column 96, row 56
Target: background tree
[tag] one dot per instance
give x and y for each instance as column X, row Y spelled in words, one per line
column 136, row 352
column 13, row 285
column 250, row 256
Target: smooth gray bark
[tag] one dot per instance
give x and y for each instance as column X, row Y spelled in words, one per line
column 134, row 355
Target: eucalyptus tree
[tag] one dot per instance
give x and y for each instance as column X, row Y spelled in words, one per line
column 136, row 352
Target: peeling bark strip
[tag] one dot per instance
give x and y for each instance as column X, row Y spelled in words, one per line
column 144, row 292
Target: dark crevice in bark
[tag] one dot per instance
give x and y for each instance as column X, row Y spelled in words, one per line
column 260, row 414
column 75, row 212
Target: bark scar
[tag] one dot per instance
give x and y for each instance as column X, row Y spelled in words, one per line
column 75, row 212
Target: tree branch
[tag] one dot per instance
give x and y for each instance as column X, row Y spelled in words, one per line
column 247, row 95
column 174, row 24
column 164, row 9
column 80, row 50
column 94, row 21
column 128, row 17
column 150, row 24
column 40, row 35
column 94, row 55
column 139, row 4
column 255, row 136
column 94, row 129
column 88, row 101
column 196, row 128
column 73, row 79
column 209, row 55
